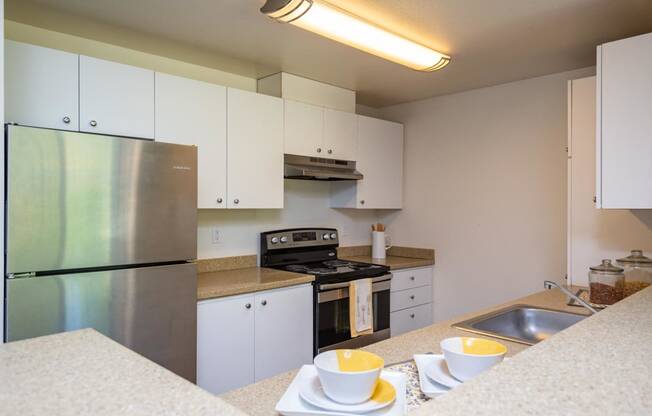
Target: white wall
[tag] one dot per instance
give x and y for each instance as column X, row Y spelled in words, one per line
column 485, row 185
column 2, row 168
column 306, row 204
column 595, row 234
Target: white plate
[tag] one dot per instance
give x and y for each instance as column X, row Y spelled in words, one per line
column 291, row 404
column 429, row 387
column 313, row 393
column 438, row 371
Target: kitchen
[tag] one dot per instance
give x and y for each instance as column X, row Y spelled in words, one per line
column 466, row 168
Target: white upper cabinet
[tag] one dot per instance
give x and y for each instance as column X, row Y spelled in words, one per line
column 379, row 157
column 312, row 130
column 115, row 98
column 304, row 128
column 624, row 126
column 340, row 134
column 194, row 113
column 254, row 150
column 41, row 86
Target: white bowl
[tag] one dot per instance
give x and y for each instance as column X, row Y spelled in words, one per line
column 467, row 357
column 348, row 376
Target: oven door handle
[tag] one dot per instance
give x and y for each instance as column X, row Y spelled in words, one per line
column 331, row 286
column 343, row 293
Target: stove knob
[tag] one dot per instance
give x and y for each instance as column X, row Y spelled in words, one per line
column 333, row 236
column 274, row 240
column 326, row 237
column 284, row 239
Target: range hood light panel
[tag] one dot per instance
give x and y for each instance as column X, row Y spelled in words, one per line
column 336, row 24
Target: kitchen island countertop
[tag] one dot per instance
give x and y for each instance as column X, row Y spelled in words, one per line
column 85, row 373
column 558, row 376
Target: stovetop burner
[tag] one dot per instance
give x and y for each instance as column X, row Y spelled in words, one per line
column 336, row 269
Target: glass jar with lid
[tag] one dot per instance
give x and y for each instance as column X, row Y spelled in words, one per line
column 606, row 283
column 638, row 271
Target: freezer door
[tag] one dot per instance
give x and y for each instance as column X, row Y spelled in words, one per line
column 77, row 200
column 151, row 310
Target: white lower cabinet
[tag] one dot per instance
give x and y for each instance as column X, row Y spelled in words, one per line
column 246, row 338
column 411, row 300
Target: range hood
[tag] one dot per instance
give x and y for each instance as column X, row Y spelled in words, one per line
column 321, row 169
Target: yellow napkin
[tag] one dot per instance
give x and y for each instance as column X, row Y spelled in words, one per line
column 361, row 314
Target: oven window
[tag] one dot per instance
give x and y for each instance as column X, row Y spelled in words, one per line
column 333, row 318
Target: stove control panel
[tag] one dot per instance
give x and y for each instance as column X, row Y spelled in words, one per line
column 297, row 238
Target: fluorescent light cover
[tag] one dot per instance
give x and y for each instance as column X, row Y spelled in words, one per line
column 336, row 24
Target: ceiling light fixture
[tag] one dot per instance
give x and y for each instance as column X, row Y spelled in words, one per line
column 336, row 24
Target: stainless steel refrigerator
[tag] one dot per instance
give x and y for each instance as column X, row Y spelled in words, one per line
column 99, row 234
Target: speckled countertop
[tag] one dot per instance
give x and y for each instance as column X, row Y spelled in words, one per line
column 251, row 279
column 86, row 373
column 397, row 257
column 400, row 348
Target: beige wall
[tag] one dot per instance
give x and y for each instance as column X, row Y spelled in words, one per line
column 112, row 52
column 485, row 185
column 306, row 205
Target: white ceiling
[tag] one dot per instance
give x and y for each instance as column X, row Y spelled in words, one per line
column 490, row 41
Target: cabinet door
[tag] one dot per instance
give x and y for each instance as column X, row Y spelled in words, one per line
column 340, row 134
column 225, row 343
column 380, row 159
column 625, row 106
column 115, row 98
column 283, row 330
column 254, row 150
column 303, row 130
column 41, row 86
column 194, row 113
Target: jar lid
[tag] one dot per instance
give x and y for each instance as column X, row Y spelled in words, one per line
column 636, row 257
column 607, row 267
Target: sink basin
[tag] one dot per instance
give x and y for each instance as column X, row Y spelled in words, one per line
column 521, row 323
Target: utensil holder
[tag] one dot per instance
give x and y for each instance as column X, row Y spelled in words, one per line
column 378, row 244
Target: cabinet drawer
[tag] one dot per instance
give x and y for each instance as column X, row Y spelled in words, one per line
column 410, row 319
column 407, row 279
column 411, row 297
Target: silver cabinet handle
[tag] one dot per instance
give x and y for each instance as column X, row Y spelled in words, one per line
column 412, row 297
column 412, row 278
column 330, row 151
column 412, row 315
column 362, row 202
column 319, row 150
column 93, row 123
column 264, row 302
column 236, row 201
column 248, row 306
column 66, row 119
column 219, row 200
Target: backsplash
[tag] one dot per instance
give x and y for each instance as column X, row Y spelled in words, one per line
column 307, row 204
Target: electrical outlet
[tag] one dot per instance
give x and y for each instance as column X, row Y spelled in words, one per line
column 216, row 236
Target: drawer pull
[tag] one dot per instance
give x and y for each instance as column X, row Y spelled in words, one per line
column 412, row 297
column 412, row 278
column 412, row 315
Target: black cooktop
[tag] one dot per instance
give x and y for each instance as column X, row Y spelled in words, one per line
column 337, row 270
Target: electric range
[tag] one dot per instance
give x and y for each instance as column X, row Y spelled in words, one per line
column 314, row 251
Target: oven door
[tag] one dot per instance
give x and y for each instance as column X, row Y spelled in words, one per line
column 332, row 327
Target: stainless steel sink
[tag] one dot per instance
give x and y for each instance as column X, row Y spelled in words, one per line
column 521, row 323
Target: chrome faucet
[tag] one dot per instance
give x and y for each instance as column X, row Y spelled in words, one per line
column 549, row 285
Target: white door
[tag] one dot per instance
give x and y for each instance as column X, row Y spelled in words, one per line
column 283, row 330
column 625, row 81
column 303, row 129
column 115, row 98
column 380, row 159
column 254, row 150
column 225, row 343
column 41, row 86
column 340, row 134
column 194, row 113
